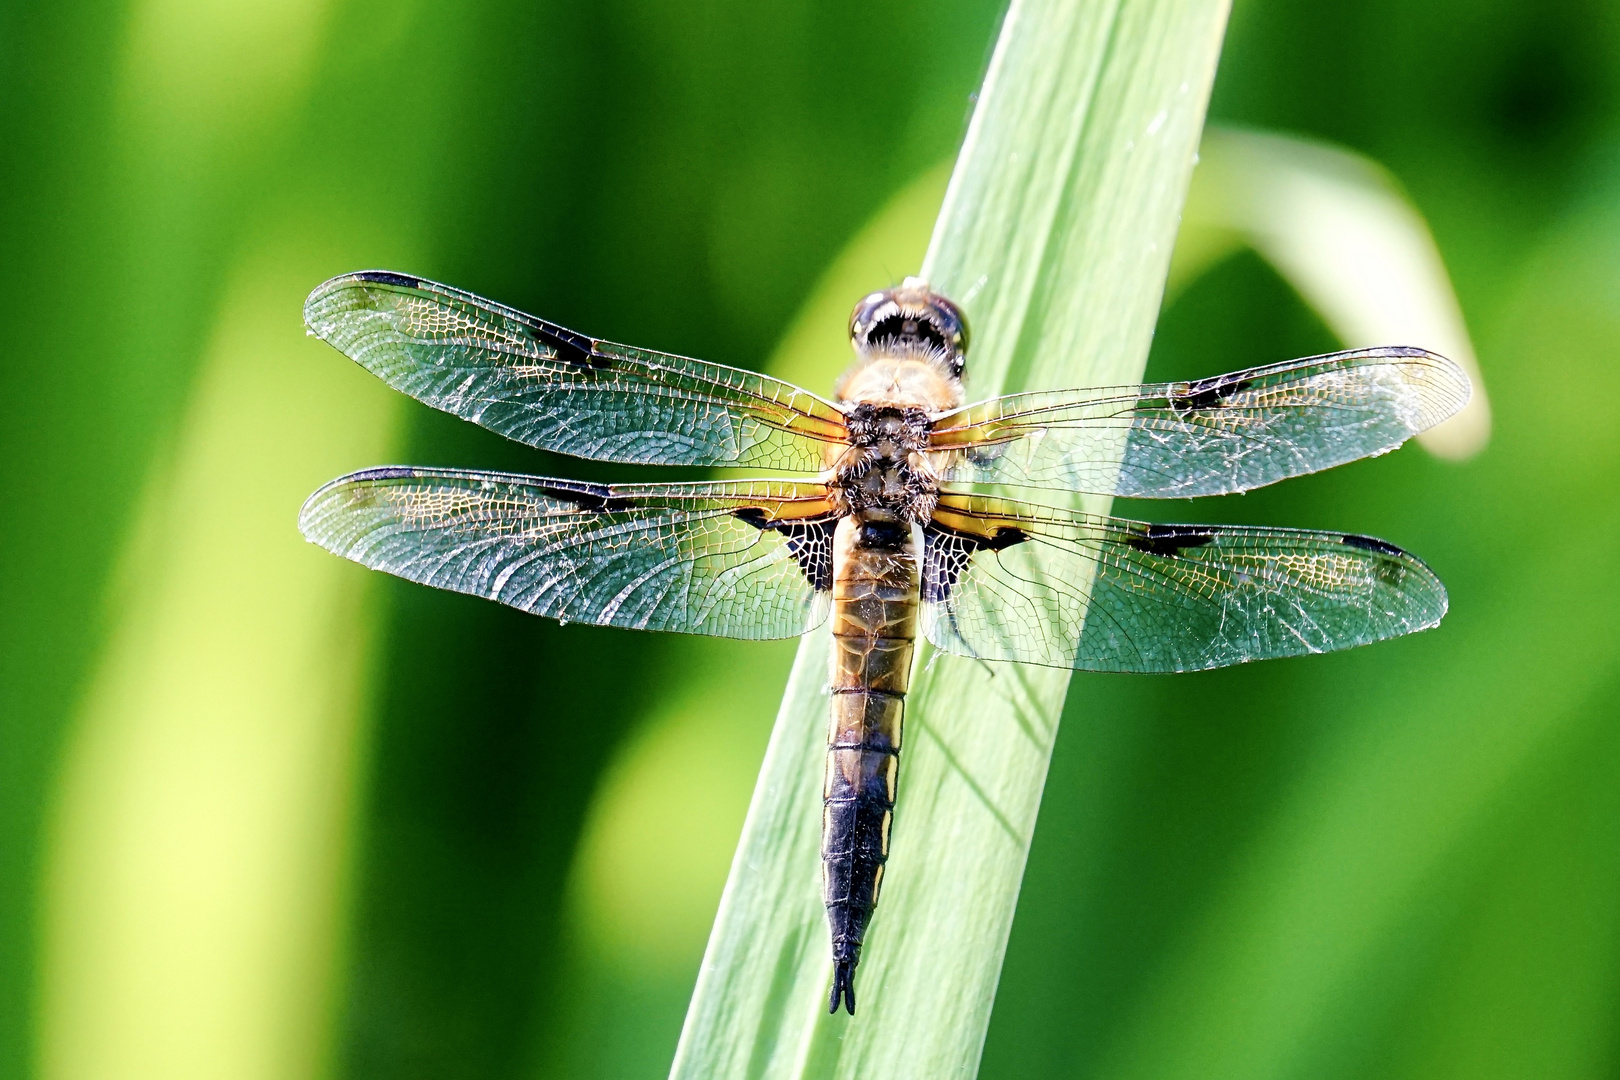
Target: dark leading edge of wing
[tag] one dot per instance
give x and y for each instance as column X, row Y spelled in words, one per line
column 741, row 560
column 1006, row 580
column 1210, row 437
column 550, row 387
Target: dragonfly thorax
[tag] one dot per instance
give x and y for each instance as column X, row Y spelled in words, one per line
column 885, row 475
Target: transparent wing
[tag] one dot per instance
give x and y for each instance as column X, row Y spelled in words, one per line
column 1006, row 580
column 741, row 560
column 550, row 387
column 1210, row 437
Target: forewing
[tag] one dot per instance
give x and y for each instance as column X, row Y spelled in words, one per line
column 553, row 388
column 1210, row 437
column 740, row 560
column 1004, row 580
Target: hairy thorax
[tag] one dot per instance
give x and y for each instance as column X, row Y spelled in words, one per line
column 884, row 474
column 920, row 381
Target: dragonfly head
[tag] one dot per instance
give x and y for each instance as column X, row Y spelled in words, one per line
column 911, row 318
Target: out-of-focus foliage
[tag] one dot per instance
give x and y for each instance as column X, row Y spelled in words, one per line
column 415, row 817
column 1340, row 232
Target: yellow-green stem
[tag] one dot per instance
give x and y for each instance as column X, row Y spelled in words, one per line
column 1055, row 235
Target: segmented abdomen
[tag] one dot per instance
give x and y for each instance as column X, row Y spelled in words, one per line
column 876, row 576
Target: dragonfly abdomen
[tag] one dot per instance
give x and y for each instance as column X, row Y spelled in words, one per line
column 876, row 586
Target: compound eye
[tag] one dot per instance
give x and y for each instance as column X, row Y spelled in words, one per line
column 871, row 308
column 964, row 334
column 911, row 315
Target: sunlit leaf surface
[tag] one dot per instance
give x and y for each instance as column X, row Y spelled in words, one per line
column 1034, row 241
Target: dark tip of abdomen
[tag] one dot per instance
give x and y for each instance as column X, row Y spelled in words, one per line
column 843, row 986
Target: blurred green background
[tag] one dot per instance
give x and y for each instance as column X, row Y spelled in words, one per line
column 263, row 814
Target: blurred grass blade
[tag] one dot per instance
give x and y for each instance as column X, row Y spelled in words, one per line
column 201, row 827
column 1056, row 235
column 1337, row 227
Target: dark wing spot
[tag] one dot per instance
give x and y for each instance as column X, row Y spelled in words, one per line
column 808, row 541
column 385, row 472
column 1172, row 540
column 945, row 559
column 1208, row 393
column 388, row 277
column 1372, row 543
column 592, row 497
column 571, row 347
column 947, row 553
column 1005, row 538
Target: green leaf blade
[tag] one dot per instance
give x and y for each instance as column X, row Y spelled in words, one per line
column 1055, row 236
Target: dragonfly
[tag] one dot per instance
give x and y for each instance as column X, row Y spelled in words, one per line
column 900, row 522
